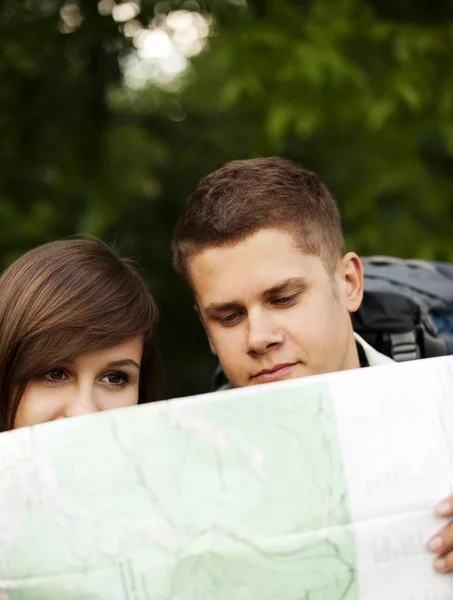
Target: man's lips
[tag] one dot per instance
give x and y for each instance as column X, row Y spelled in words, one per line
column 274, row 373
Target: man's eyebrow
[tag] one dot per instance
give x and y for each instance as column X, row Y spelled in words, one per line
column 282, row 286
column 214, row 309
column 126, row 362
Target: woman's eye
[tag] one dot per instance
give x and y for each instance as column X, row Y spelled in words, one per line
column 55, row 375
column 116, row 379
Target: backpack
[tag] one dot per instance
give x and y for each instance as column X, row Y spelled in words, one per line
column 407, row 308
column 406, row 312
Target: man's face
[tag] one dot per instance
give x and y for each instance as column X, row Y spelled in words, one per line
column 273, row 312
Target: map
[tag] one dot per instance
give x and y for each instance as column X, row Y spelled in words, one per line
column 314, row 489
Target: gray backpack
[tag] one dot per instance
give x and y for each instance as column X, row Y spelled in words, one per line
column 407, row 310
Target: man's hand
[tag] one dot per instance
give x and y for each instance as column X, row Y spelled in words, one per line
column 441, row 544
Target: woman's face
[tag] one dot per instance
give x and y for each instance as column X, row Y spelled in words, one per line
column 95, row 381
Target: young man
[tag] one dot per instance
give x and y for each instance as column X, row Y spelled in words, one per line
column 261, row 246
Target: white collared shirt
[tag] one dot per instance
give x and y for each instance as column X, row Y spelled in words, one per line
column 374, row 358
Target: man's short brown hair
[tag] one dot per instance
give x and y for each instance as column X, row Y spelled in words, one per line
column 245, row 196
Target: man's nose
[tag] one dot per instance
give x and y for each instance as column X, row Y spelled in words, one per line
column 82, row 401
column 263, row 333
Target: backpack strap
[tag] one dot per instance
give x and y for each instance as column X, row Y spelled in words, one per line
column 403, row 346
column 420, row 342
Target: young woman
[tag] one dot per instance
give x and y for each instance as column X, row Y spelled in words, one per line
column 77, row 334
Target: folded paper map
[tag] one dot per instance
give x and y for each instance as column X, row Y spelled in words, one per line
column 313, row 489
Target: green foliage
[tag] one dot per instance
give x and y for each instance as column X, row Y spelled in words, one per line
column 359, row 90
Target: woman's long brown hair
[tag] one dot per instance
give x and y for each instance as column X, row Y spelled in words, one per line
column 63, row 299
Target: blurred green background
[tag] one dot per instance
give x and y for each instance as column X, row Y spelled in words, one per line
column 111, row 112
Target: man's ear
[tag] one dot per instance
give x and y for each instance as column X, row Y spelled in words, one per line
column 353, row 278
column 211, row 345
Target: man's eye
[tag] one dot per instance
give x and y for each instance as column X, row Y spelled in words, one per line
column 55, row 375
column 229, row 319
column 116, row 379
column 283, row 300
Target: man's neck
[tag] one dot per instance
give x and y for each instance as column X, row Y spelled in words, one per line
column 353, row 359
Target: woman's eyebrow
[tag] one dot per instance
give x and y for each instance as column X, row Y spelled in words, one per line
column 126, row 362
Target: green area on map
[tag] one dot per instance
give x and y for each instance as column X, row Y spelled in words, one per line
column 235, row 496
